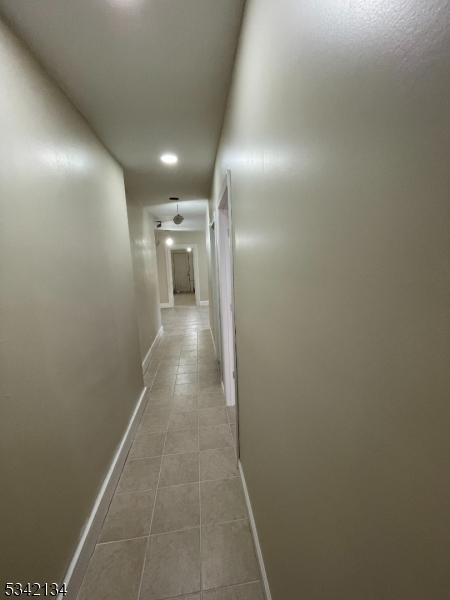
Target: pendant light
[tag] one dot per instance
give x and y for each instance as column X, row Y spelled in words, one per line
column 178, row 219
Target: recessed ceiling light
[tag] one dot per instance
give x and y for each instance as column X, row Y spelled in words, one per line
column 169, row 242
column 169, row 159
column 189, row 249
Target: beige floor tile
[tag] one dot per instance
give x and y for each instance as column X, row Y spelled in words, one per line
column 179, row 468
column 114, row 571
column 181, row 441
column 155, row 420
column 211, row 400
column 139, row 474
column 165, row 402
column 218, row 464
column 222, row 500
column 212, row 416
column 147, row 445
column 188, row 354
column 185, row 389
column 160, row 393
column 183, row 420
column 129, row 516
column 177, row 507
column 211, row 389
column 172, row 566
column 157, row 413
column 245, row 591
column 168, row 361
column 215, row 437
column 207, row 378
column 190, row 368
column 167, row 370
column 228, row 555
column 207, row 368
column 188, row 360
column 162, row 384
column 181, row 403
column 164, row 379
column 183, row 378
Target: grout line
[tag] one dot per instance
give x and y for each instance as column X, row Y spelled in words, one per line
column 190, row 528
column 220, row 478
column 138, row 537
column 201, row 480
column 232, row 586
column 144, row 491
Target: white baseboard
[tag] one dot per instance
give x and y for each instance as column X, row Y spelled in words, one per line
column 165, row 305
column 78, row 565
column 204, row 302
column 148, row 356
column 259, row 554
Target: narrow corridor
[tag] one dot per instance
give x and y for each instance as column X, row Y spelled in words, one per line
column 177, row 526
column 210, row 200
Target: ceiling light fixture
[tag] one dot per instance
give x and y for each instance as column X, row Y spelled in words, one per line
column 189, row 249
column 169, row 242
column 178, row 219
column 169, row 158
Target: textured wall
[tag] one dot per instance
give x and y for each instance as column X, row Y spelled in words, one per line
column 337, row 140
column 70, row 371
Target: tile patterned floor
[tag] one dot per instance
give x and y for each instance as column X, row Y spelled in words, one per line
column 177, row 526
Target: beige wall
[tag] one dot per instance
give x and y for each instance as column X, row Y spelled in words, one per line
column 337, row 140
column 143, row 252
column 70, row 371
column 182, row 237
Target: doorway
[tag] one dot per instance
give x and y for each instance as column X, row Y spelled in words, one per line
column 223, row 231
column 182, row 275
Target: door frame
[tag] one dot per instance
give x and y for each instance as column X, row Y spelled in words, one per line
column 226, row 194
column 215, row 300
column 169, row 271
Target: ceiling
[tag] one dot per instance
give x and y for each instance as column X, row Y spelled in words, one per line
column 193, row 211
column 150, row 76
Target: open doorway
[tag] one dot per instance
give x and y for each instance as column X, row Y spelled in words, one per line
column 182, row 275
column 224, row 245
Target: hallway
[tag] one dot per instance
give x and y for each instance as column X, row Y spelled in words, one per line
column 207, row 204
column 178, row 523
